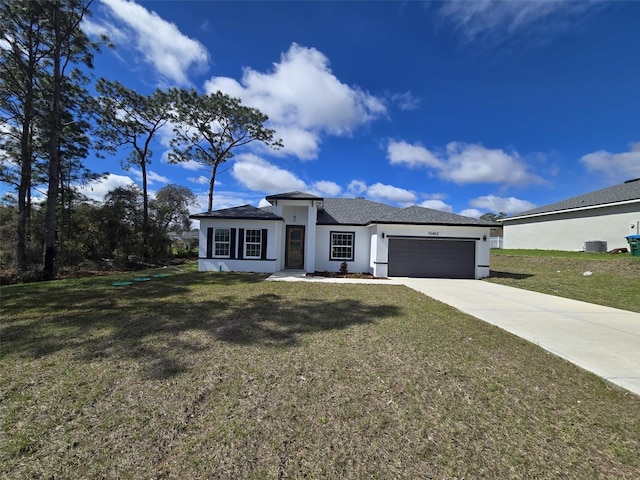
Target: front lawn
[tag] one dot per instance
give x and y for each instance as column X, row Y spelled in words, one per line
column 202, row 375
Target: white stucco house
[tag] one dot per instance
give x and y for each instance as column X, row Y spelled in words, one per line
column 606, row 215
column 300, row 231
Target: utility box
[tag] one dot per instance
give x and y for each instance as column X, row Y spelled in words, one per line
column 634, row 244
column 595, row 246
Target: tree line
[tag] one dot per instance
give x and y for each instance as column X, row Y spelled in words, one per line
column 54, row 114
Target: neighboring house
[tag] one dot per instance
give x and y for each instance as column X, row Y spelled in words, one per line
column 606, row 215
column 300, row 231
column 184, row 240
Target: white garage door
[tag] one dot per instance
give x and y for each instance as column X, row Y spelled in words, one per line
column 430, row 258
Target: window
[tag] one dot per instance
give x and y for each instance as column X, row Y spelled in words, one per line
column 222, row 242
column 342, row 245
column 253, row 243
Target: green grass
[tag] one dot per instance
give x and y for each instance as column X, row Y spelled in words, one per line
column 228, row 376
column 564, row 254
column 614, row 280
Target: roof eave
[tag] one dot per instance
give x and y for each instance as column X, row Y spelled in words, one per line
column 199, row 216
column 442, row 224
column 566, row 210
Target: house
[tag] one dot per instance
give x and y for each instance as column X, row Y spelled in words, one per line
column 300, row 231
column 601, row 218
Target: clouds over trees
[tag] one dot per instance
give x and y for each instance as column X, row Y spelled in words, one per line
column 303, row 99
column 159, row 42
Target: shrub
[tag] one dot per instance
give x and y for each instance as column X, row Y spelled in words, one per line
column 344, row 268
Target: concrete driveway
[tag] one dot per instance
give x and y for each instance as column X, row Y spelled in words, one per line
column 602, row 340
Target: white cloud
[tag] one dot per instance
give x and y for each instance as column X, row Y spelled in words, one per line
column 324, row 187
column 259, row 175
column 476, row 164
column 381, row 192
column 464, row 163
column 388, row 192
column 494, row 204
column 436, row 204
column 301, row 143
column 192, row 165
column 94, row 29
column 615, row 166
column 403, row 153
column 495, row 19
column 357, row 187
column 303, row 99
column 405, row 101
column 471, row 212
column 202, row 180
column 160, row 42
column 97, row 189
column 151, row 176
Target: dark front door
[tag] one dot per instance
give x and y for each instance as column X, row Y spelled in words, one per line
column 295, row 247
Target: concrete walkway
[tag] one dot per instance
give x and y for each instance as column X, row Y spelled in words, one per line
column 602, row 340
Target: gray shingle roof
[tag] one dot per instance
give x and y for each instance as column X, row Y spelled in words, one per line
column 428, row 216
column 627, row 191
column 243, row 212
column 358, row 211
column 350, row 211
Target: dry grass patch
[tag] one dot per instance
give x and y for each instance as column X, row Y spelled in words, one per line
column 228, row 376
column 614, row 280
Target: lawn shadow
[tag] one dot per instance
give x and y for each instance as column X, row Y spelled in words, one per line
column 510, row 275
column 163, row 325
column 271, row 320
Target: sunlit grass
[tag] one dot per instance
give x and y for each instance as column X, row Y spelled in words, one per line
column 602, row 278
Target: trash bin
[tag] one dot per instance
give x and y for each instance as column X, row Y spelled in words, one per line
column 634, row 244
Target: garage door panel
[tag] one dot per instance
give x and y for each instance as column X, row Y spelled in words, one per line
column 428, row 258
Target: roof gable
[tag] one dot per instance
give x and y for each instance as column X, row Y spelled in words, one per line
column 243, row 212
column 624, row 192
column 293, row 196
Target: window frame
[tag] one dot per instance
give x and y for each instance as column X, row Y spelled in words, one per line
column 247, row 243
column 332, row 245
column 216, row 242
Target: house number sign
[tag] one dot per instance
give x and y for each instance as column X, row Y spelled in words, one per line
column 434, row 233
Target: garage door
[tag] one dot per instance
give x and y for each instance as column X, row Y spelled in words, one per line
column 429, row 258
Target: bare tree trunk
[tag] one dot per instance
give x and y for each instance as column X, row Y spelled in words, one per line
column 26, row 164
column 23, row 204
column 54, row 157
column 212, row 182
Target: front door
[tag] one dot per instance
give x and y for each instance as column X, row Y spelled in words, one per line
column 295, row 247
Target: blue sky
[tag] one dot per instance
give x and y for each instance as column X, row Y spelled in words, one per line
column 463, row 107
